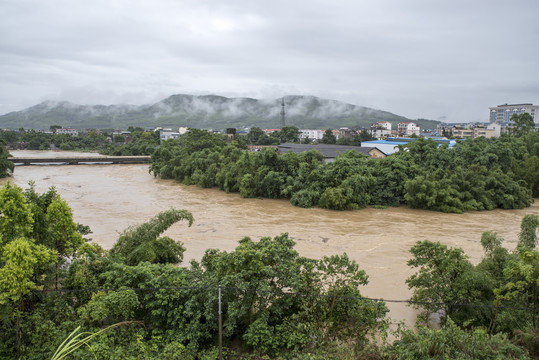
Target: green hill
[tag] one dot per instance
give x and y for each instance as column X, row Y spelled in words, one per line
column 208, row 111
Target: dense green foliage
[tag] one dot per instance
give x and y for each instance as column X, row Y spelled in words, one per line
column 452, row 342
column 141, row 243
column 275, row 303
column 521, row 124
column 271, row 296
column 480, row 174
column 6, row 166
column 445, row 280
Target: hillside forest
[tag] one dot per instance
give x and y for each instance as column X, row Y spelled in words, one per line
column 206, row 112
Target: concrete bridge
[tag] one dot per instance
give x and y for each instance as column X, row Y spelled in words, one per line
column 80, row 160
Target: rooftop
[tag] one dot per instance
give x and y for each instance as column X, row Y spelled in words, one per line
column 328, row 150
column 526, row 104
column 389, row 145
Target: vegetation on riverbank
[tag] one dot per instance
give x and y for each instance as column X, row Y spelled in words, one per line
column 135, row 142
column 6, row 166
column 478, row 174
column 275, row 303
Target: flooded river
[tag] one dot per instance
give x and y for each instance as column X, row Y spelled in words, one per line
column 110, row 198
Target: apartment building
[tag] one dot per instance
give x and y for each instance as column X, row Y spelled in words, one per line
column 502, row 113
column 407, row 129
column 470, row 130
column 314, row 134
column 381, row 129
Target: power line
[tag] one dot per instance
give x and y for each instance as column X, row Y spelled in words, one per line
column 284, row 293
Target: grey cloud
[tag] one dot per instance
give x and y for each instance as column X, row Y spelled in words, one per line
column 416, row 58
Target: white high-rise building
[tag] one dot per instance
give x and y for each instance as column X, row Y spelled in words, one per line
column 502, row 113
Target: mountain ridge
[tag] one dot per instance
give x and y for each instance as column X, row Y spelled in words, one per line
column 205, row 111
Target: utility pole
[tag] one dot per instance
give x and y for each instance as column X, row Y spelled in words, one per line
column 220, row 328
column 283, row 122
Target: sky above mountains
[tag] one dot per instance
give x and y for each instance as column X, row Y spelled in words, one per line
column 446, row 60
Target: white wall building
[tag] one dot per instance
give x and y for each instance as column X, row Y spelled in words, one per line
column 67, row 131
column 311, row 134
column 166, row 134
column 316, row 134
column 408, row 128
column 381, row 129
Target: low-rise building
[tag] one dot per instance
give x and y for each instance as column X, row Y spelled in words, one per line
column 311, row 134
column 471, row 131
column 166, row 134
column 463, row 132
column 316, row 134
column 67, row 131
column 331, row 151
column 381, row 129
column 346, row 133
column 408, row 129
column 391, row 145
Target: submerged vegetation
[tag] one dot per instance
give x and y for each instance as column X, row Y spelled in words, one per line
column 478, row 174
column 276, row 304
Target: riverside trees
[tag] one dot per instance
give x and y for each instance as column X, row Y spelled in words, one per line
column 140, row 142
column 274, row 302
column 6, row 166
column 31, row 239
column 445, row 280
column 479, row 174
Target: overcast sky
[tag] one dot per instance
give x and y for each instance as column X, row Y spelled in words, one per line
column 437, row 59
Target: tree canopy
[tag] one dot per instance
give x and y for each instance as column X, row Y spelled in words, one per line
column 275, row 303
column 479, row 174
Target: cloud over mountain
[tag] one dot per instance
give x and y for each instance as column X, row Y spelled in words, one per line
column 205, row 111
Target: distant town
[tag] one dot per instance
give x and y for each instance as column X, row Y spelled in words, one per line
column 379, row 140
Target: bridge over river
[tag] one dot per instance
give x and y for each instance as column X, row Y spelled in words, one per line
column 80, row 160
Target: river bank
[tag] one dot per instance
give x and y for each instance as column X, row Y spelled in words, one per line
column 109, row 198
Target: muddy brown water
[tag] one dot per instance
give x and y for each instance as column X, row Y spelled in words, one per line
column 109, row 198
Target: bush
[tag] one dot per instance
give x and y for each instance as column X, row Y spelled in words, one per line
column 334, row 199
column 451, row 342
column 305, row 198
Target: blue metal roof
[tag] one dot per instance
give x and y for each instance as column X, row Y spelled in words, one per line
column 389, row 145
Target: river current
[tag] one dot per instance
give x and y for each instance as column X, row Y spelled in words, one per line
column 109, row 198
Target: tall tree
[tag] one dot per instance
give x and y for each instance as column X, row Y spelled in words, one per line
column 522, row 285
column 15, row 215
column 328, row 137
column 289, row 134
column 62, row 234
column 527, row 237
column 442, row 279
column 142, row 243
column 6, row 166
column 256, row 135
column 521, row 124
column 20, row 258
